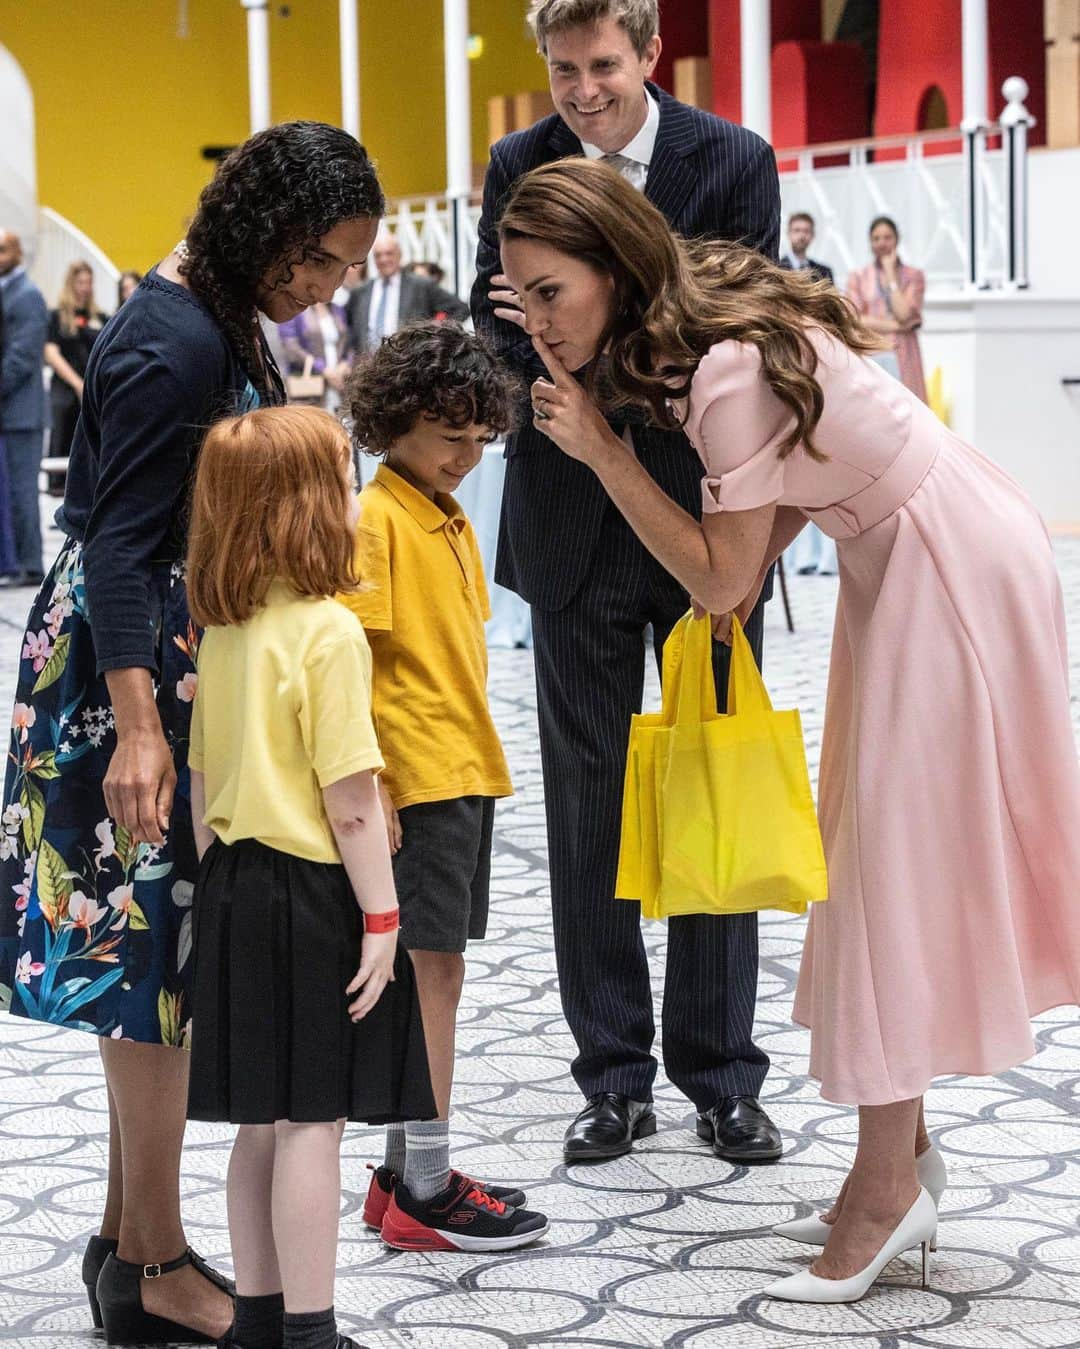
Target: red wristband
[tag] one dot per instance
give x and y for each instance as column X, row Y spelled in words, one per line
column 389, row 921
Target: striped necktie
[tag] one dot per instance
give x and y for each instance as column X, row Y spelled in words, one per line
column 634, row 172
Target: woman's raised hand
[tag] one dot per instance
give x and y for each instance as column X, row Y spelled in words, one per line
column 563, row 410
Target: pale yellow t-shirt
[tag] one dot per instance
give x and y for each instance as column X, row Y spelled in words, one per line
column 424, row 604
column 282, row 709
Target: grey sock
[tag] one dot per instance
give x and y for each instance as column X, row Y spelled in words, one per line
column 395, row 1149
column 311, row 1330
column 427, row 1158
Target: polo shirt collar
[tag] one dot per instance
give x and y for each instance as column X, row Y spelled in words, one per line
column 430, row 515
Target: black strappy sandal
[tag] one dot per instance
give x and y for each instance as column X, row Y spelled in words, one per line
column 119, row 1293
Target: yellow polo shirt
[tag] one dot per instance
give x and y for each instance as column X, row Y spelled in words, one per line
column 423, row 605
column 282, row 710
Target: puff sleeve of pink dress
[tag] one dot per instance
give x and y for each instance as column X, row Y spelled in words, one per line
column 949, row 789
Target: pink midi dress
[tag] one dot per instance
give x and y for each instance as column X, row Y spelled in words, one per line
column 949, row 791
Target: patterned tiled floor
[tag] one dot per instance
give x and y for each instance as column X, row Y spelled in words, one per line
column 667, row 1247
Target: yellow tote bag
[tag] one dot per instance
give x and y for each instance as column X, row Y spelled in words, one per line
column 718, row 816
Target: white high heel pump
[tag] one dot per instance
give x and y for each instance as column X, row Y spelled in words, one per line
column 917, row 1227
column 814, row 1231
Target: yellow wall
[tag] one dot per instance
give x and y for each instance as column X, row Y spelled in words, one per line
column 124, row 105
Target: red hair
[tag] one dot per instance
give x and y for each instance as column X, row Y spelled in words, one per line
column 271, row 500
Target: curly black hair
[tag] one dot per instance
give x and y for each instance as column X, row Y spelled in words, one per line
column 433, row 370
column 265, row 208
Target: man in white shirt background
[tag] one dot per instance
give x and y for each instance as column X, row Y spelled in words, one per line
column 800, row 230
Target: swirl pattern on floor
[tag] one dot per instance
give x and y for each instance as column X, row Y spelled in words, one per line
column 666, row 1247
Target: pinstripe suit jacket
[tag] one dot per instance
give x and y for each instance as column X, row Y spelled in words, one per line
column 711, row 179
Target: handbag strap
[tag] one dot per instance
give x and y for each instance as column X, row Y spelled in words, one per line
column 689, row 693
column 746, row 691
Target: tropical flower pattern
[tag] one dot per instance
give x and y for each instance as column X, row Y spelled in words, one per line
column 95, row 930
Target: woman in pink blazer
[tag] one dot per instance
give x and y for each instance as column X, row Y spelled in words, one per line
column 889, row 297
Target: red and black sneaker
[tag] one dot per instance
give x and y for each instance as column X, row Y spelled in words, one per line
column 382, row 1185
column 462, row 1218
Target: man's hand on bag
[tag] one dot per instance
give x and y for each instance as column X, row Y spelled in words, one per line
column 720, row 623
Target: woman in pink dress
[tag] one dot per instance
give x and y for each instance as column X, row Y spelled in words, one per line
column 949, row 793
column 889, row 298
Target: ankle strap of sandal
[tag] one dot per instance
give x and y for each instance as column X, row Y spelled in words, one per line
column 156, row 1270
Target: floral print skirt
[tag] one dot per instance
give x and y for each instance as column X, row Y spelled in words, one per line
column 95, row 929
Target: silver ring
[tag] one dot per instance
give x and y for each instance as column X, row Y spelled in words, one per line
column 541, row 416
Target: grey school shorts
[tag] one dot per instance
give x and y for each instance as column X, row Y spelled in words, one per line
column 442, row 872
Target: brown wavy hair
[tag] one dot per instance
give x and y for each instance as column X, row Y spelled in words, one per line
column 674, row 298
column 271, row 500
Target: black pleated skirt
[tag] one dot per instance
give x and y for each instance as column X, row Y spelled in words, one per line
column 277, row 939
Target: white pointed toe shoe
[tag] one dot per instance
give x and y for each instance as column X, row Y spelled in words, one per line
column 814, row 1231
column 918, row 1227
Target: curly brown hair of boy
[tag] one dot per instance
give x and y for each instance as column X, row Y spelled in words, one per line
column 433, row 370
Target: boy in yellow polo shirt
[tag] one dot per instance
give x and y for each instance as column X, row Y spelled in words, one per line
column 428, row 401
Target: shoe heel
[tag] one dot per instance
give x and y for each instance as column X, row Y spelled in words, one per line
column 131, row 1325
column 95, row 1306
column 646, row 1127
column 927, row 1247
column 704, row 1130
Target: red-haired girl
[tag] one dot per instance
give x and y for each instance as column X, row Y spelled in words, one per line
column 305, row 1012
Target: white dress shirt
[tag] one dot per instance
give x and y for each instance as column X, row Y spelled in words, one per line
column 638, row 152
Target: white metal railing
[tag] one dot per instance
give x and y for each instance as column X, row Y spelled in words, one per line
column 439, row 229
column 921, row 180
column 58, row 244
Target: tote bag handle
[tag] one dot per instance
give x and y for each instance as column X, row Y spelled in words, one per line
column 746, row 691
column 689, row 694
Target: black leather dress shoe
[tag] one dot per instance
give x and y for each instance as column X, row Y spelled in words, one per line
column 607, row 1126
column 740, row 1131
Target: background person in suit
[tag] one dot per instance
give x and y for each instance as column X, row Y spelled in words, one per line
column 813, row 553
column 7, row 539
column 393, row 298
column 800, row 231
column 594, row 589
column 22, row 405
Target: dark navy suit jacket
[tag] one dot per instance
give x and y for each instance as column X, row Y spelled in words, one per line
column 712, row 179
column 26, row 325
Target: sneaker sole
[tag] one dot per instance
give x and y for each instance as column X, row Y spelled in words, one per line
column 427, row 1239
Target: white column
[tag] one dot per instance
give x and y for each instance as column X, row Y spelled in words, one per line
column 755, row 28
column 974, row 50
column 1017, row 121
column 458, row 124
column 458, row 108
column 350, row 67
column 975, row 47
column 258, row 26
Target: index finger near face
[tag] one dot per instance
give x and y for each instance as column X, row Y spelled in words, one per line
column 555, row 368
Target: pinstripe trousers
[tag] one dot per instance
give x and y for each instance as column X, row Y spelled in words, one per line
column 590, row 668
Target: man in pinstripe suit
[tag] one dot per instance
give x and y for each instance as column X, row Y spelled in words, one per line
column 594, row 590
